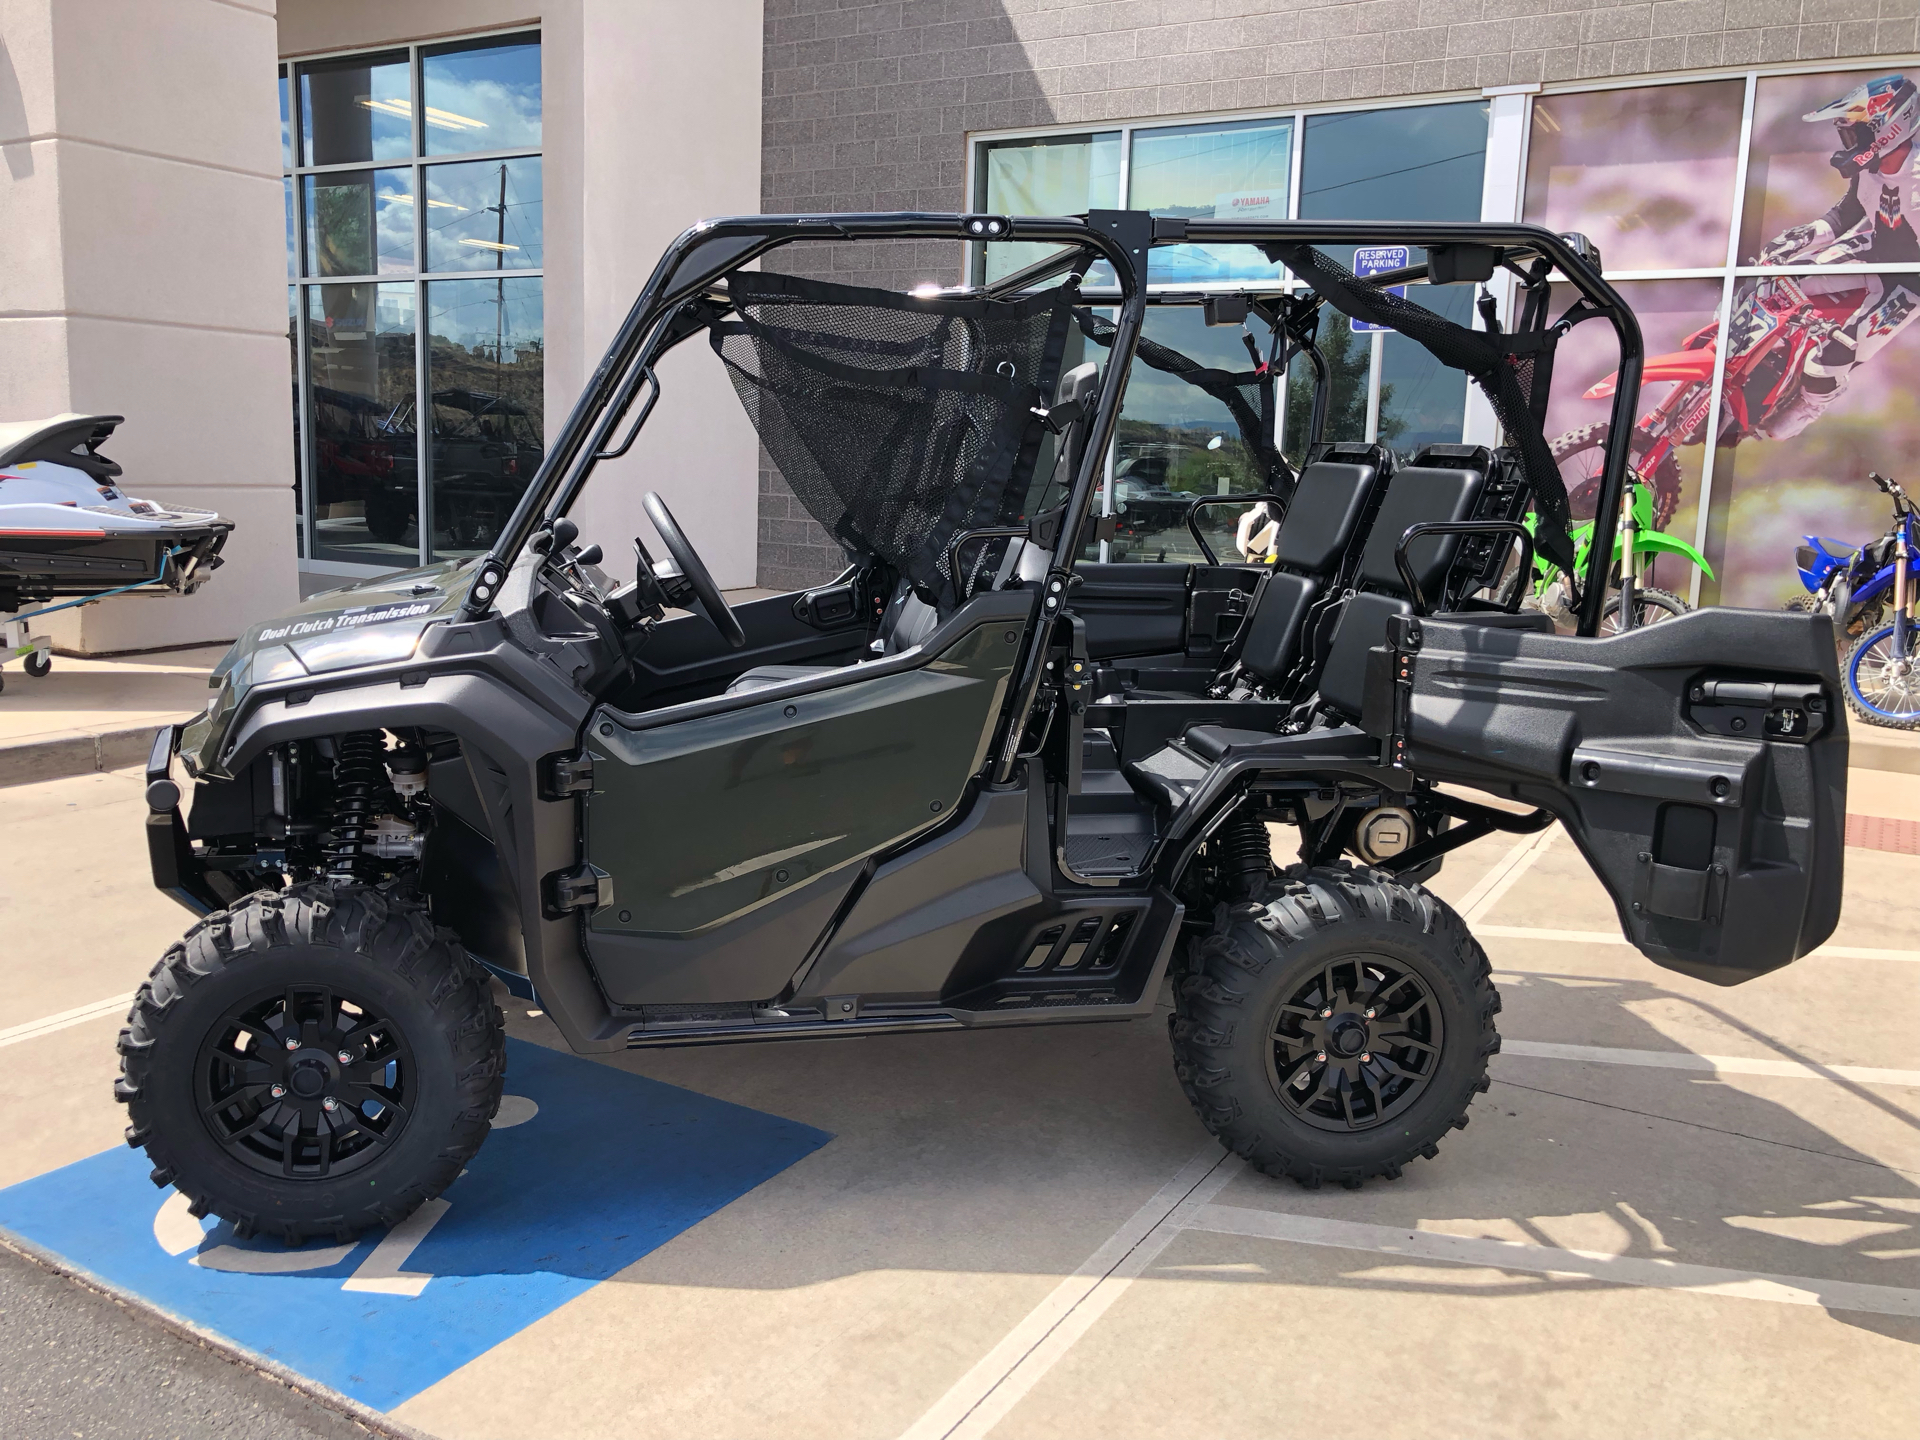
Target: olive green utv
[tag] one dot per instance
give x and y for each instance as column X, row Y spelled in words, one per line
column 991, row 775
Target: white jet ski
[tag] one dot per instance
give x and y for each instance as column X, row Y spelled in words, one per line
column 66, row 529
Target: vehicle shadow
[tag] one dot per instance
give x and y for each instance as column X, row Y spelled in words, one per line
column 1021, row 1151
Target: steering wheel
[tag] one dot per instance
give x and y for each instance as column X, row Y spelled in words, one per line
column 694, row 571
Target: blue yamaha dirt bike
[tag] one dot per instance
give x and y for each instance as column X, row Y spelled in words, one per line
column 1859, row 587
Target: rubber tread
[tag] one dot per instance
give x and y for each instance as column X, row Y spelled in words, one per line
column 1226, row 979
column 381, row 928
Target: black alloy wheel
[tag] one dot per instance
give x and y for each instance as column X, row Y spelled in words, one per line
column 305, row 1083
column 314, row 1061
column 1335, row 1025
column 1355, row 1045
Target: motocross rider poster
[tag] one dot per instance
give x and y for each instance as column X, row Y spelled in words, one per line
column 1821, row 366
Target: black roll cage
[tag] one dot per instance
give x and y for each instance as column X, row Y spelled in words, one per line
column 661, row 318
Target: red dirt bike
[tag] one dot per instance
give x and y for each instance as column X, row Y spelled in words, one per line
column 1775, row 326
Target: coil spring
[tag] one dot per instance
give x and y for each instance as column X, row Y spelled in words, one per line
column 357, row 777
column 1245, row 851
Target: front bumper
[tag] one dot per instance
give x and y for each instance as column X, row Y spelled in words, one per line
column 177, row 871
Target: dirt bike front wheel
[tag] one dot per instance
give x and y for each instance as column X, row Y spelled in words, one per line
column 1649, row 607
column 1880, row 689
column 1580, row 454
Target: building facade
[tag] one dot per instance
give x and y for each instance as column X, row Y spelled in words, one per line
column 466, row 195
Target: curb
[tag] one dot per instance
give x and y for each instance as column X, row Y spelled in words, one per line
column 1893, row 750
column 26, row 761
column 374, row 1421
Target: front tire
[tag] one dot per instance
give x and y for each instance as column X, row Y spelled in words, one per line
column 313, row 1062
column 1336, row 1026
column 39, row 664
column 1881, row 690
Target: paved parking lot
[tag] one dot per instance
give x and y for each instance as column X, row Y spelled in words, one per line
column 1679, row 1210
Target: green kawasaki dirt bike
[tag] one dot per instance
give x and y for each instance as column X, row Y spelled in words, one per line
column 1640, row 544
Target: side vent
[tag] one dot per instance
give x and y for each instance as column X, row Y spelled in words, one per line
column 1113, row 943
column 1043, row 948
column 1084, row 934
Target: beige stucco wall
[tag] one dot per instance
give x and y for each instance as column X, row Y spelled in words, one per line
column 141, row 273
column 651, row 121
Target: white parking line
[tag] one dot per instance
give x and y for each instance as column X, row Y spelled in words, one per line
column 1647, row 1273
column 1505, row 873
column 48, row 1024
column 980, row 1398
column 1714, row 1064
column 1609, row 937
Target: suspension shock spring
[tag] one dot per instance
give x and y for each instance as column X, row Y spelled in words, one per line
column 357, row 779
column 1245, row 849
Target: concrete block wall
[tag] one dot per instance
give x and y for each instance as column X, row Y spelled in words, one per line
column 867, row 104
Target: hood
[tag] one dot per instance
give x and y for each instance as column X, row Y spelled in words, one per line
column 374, row 622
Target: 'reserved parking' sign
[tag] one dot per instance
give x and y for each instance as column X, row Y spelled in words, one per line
column 589, row 1169
column 1371, row 260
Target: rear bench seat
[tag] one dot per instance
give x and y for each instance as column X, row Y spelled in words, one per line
column 1416, row 495
column 1328, row 508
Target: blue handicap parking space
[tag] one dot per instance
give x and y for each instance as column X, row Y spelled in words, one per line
column 594, row 1168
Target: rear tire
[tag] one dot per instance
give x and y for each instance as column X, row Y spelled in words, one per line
column 330, row 968
column 39, row 665
column 1247, row 1022
column 1578, row 454
column 1649, row 606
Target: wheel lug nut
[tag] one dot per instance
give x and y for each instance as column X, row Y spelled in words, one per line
column 329, row 1103
column 293, row 1042
column 1371, row 1014
column 1321, row 1056
column 1365, row 1058
column 345, row 1057
column 1327, row 1014
column 279, row 1091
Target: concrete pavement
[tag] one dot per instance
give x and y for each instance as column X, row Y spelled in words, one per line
column 1027, row 1234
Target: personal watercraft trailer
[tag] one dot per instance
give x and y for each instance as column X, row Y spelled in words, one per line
column 979, row 780
column 67, row 530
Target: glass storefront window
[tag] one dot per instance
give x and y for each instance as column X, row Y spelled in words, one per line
column 1792, row 181
column 1677, row 318
column 1051, row 175
column 378, row 487
column 1176, row 443
column 1647, row 175
column 360, row 368
column 485, row 215
column 293, row 240
column 1422, row 401
column 1420, row 162
column 356, row 110
column 1212, row 172
column 360, row 222
column 481, row 96
column 486, row 376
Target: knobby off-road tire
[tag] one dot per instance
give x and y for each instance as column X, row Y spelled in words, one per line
column 1333, row 938
column 341, row 969
column 1651, row 605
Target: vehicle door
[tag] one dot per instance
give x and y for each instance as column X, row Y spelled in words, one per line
column 1699, row 764
column 730, row 830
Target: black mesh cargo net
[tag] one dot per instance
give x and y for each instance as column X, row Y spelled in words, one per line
column 1515, row 371
column 898, row 421
column 1247, row 394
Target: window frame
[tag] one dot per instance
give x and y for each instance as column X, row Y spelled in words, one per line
column 418, row 162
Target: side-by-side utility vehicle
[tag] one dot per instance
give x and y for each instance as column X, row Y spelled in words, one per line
column 981, row 778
